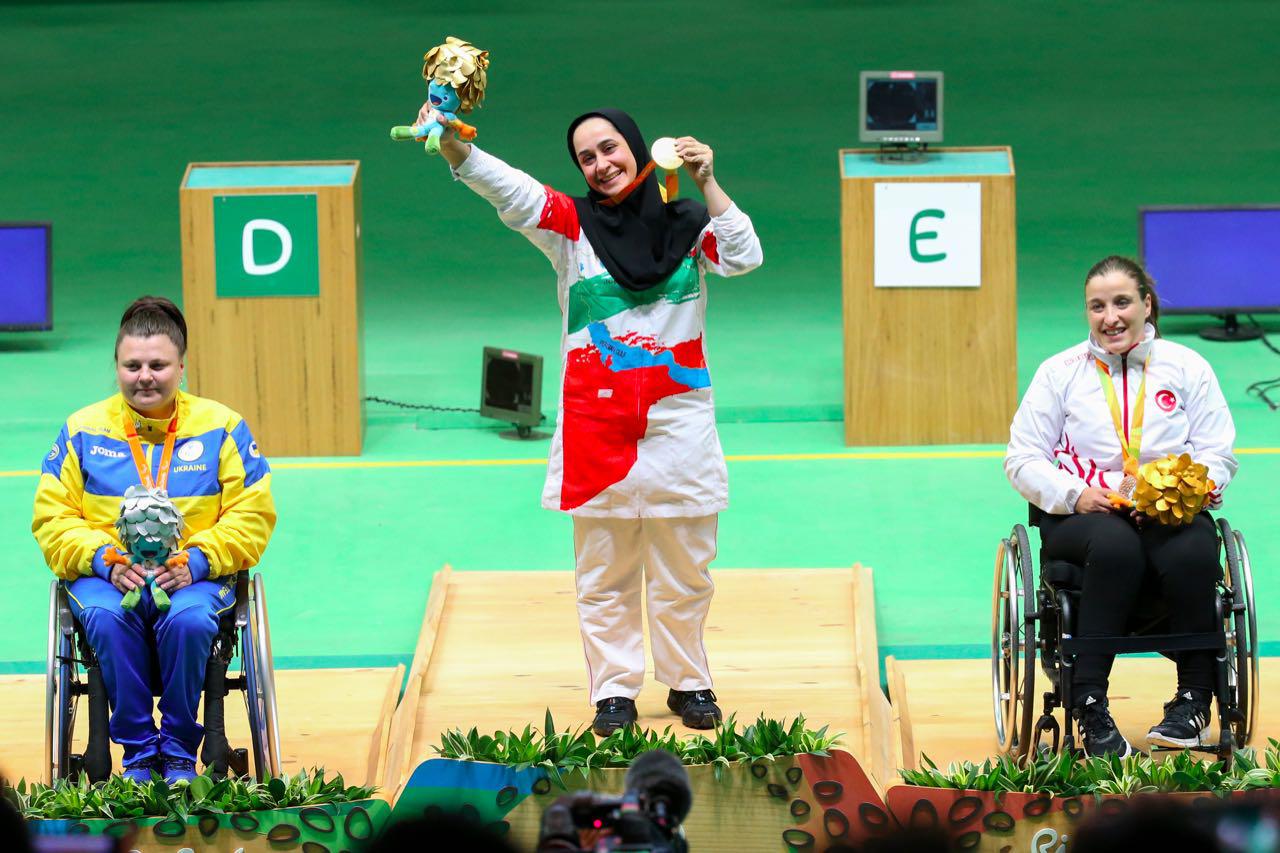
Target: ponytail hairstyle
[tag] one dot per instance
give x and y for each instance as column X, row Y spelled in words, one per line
column 1133, row 269
column 154, row 315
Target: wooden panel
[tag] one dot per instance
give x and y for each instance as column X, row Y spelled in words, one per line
column 904, row 739
column 952, row 718
column 877, row 728
column 290, row 366
column 325, row 718
column 380, row 737
column 929, row 365
column 780, row 643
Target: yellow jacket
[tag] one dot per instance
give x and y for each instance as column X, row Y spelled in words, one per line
column 217, row 479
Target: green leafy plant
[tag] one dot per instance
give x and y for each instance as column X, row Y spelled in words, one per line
column 578, row 751
column 1061, row 775
column 119, row 798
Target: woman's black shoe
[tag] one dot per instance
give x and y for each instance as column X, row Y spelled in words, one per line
column 697, row 708
column 612, row 714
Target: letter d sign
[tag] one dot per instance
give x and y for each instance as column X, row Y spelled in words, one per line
column 266, row 245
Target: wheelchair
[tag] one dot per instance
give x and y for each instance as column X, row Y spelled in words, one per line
column 73, row 671
column 1035, row 617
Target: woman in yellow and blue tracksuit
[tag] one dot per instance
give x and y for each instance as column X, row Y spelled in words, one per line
column 222, row 486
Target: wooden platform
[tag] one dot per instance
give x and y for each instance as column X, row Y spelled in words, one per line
column 498, row 649
column 326, row 719
column 951, row 718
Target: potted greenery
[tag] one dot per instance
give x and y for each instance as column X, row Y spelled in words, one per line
column 1003, row 802
column 284, row 813
column 769, row 779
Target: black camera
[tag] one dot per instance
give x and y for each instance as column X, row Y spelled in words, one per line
column 646, row 817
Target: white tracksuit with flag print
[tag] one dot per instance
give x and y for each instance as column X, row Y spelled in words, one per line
column 635, row 457
column 1063, row 439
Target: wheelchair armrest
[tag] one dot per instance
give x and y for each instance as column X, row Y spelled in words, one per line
column 242, row 598
column 66, row 619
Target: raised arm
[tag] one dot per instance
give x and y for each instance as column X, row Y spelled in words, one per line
column 729, row 245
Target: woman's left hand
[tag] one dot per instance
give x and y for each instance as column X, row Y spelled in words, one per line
column 176, row 574
column 697, row 159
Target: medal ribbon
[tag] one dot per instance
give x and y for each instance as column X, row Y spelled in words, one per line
column 1131, row 444
column 140, row 458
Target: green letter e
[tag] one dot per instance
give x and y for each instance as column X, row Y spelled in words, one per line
column 917, row 236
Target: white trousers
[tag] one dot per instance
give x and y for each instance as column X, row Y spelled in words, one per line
column 669, row 558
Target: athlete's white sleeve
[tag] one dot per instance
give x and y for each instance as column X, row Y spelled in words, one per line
column 1211, row 432
column 1028, row 462
column 729, row 245
column 518, row 197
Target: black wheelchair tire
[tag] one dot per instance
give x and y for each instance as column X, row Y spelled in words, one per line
column 67, row 684
column 1013, row 644
column 253, row 702
column 1026, row 571
column 1243, row 626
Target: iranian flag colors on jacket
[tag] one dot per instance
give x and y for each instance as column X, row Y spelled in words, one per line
column 635, row 431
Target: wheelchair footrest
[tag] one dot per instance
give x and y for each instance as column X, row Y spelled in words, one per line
column 1137, row 645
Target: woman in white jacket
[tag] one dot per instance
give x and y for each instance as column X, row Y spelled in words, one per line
column 1125, row 390
column 635, row 458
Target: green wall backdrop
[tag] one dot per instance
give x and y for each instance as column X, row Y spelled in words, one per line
column 1107, row 106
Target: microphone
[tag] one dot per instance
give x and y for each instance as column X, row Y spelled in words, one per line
column 660, row 780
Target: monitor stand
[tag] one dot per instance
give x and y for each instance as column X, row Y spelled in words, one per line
column 1230, row 330
column 902, row 152
column 523, row 433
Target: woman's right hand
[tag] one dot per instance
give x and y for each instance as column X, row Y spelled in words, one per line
column 1093, row 500
column 126, row 577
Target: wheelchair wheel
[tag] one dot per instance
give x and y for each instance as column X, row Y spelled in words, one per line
column 1013, row 643
column 1242, row 633
column 260, row 687
column 62, row 686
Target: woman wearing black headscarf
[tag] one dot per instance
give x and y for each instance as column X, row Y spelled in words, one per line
column 635, row 458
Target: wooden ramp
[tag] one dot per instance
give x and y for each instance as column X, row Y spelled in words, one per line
column 498, row 649
column 327, row 717
column 951, row 719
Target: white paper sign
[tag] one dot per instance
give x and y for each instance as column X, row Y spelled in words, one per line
column 928, row 235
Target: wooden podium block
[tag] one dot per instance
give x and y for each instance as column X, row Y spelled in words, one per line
column 930, row 326
column 271, row 293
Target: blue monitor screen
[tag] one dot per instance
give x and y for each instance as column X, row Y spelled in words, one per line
column 1212, row 260
column 908, row 105
column 25, row 277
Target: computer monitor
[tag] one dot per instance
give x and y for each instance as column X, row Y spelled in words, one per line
column 1223, row 261
column 900, row 107
column 511, row 389
column 26, row 276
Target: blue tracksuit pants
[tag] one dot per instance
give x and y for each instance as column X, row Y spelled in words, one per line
column 125, row 643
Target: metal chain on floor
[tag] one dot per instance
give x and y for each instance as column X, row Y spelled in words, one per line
column 421, row 406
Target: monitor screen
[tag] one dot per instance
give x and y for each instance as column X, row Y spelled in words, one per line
column 901, row 106
column 26, row 276
column 511, row 386
column 1212, row 260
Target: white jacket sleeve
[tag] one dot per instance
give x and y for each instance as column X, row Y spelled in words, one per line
column 1211, row 433
column 729, row 245
column 1028, row 461
column 519, row 199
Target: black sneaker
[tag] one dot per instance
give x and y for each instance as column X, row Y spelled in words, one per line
column 1185, row 723
column 1098, row 730
column 612, row 714
column 697, row 708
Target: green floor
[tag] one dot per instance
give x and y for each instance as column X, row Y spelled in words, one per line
column 1107, row 107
